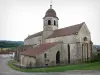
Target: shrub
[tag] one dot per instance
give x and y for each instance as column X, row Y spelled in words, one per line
column 96, row 58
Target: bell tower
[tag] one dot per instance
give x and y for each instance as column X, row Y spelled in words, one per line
column 50, row 22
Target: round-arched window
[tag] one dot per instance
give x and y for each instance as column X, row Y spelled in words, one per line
column 49, row 22
column 85, row 38
column 45, row 55
column 54, row 22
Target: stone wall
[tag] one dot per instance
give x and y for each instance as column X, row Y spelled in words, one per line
column 51, row 55
column 65, row 39
column 27, row 61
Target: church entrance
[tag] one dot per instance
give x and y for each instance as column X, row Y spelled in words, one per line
column 58, row 57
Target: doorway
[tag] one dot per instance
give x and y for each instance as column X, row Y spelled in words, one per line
column 58, row 57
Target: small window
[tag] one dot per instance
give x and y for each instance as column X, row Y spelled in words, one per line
column 49, row 22
column 54, row 22
column 46, row 64
column 45, row 55
column 85, row 38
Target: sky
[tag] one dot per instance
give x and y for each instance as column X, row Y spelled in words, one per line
column 20, row 18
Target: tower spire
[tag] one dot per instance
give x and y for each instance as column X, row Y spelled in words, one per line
column 51, row 4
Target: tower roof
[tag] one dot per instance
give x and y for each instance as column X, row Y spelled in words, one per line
column 50, row 13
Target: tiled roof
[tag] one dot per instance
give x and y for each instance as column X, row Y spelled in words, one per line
column 66, row 31
column 35, row 35
column 60, row 32
column 51, row 13
column 39, row 49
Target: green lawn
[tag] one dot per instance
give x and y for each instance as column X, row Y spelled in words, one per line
column 85, row 66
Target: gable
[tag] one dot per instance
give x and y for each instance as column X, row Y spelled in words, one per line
column 84, row 30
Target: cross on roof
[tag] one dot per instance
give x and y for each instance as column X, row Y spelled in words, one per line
column 51, row 4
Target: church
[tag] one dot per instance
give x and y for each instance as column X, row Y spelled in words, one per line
column 54, row 46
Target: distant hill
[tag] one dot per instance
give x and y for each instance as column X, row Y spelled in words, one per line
column 8, row 44
column 97, row 46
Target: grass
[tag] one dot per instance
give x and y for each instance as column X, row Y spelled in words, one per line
column 85, row 66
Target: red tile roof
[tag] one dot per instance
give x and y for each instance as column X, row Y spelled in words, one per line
column 66, row 31
column 60, row 32
column 39, row 49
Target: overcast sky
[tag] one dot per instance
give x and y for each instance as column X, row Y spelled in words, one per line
column 20, row 18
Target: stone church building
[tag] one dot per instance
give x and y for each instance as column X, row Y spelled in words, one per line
column 53, row 46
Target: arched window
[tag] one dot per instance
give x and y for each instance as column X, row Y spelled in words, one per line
column 68, row 53
column 45, row 55
column 49, row 22
column 85, row 38
column 54, row 22
column 82, row 51
column 87, row 50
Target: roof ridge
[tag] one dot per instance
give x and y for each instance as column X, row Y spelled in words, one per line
column 66, row 31
column 71, row 26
